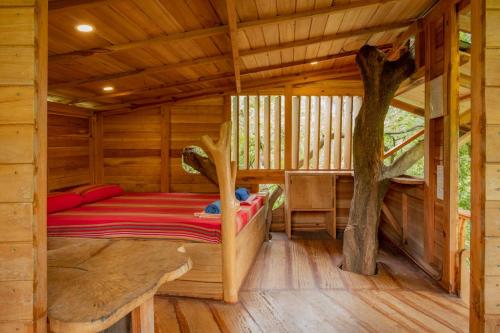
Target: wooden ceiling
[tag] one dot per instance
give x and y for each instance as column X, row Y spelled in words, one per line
column 154, row 51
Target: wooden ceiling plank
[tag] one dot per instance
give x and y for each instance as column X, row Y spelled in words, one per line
column 162, row 89
column 305, row 42
column 188, row 35
column 60, row 5
column 233, row 36
column 214, row 91
column 140, row 72
column 327, row 38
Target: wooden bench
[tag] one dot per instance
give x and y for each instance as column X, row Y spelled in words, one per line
column 93, row 283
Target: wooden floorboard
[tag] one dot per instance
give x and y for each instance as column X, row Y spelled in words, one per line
column 297, row 286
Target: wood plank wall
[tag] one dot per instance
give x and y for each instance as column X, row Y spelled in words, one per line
column 143, row 149
column 70, row 147
column 23, row 116
column 485, row 239
column 132, row 150
column 188, row 122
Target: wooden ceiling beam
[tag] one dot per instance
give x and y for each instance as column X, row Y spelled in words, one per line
column 310, row 14
column 305, row 42
column 408, row 107
column 327, row 38
column 233, row 36
column 164, row 88
column 189, row 35
column 59, row 5
column 214, row 91
column 141, row 72
column 200, row 33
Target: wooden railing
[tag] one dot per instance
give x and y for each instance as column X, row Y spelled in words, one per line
column 463, row 254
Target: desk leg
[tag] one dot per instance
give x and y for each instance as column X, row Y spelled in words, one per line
column 143, row 318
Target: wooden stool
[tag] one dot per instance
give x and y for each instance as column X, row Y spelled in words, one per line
column 93, row 283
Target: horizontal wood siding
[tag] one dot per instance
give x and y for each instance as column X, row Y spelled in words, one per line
column 69, row 149
column 22, row 167
column 132, row 150
column 188, row 122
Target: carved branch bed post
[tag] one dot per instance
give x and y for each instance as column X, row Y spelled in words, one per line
column 381, row 80
column 226, row 174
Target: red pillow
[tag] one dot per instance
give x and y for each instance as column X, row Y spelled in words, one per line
column 93, row 193
column 59, row 201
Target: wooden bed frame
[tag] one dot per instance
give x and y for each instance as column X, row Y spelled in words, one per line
column 219, row 270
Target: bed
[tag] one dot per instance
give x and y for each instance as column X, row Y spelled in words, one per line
column 222, row 248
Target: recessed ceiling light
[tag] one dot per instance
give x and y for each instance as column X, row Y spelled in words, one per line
column 84, row 28
column 108, row 88
column 314, row 62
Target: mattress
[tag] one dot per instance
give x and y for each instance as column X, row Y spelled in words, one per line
column 148, row 215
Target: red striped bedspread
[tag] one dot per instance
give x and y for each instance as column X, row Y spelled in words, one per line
column 147, row 215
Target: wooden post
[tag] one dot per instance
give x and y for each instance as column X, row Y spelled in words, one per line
column 257, row 133
column 23, row 165
column 295, row 131
column 337, row 132
column 143, row 318
column 277, row 133
column 307, row 132
column 348, row 134
column 328, row 134
column 267, row 132
column 288, row 151
column 316, row 111
column 165, row 149
column 226, row 173
column 485, row 192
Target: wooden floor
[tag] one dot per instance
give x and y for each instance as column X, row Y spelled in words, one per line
column 295, row 286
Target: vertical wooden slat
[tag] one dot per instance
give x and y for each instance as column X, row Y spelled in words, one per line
column 356, row 106
column 337, row 132
column 307, row 132
column 246, row 113
column 267, row 132
column 165, row 149
column 317, row 126
column 288, row 151
column 347, row 133
column 295, row 131
column 234, row 139
column 277, row 133
column 257, row 132
column 237, row 136
column 328, row 133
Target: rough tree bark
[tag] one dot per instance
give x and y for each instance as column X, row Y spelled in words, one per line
column 381, row 80
column 202, row 164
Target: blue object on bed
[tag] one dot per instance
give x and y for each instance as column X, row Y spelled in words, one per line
column 242, row 194
column 213, row 208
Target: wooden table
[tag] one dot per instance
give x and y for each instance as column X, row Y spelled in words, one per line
column 93, row 283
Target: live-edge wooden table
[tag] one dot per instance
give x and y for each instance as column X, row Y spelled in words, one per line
column 93, row 283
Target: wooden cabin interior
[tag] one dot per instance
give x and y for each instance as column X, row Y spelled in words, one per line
column 193, row 166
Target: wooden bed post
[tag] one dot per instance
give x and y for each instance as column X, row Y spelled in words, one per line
column 226, row 173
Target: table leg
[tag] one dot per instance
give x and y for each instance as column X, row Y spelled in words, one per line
column 143, row 320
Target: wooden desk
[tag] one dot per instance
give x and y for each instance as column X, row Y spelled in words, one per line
column 93, row 283
column 310, row 201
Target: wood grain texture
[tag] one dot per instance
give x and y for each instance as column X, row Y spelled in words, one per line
column 401, row 298
column 93, row 283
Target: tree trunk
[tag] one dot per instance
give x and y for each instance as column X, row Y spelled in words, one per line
column 381, row 79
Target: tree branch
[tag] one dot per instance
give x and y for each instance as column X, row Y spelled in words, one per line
column 404, row 162
column 200, row 163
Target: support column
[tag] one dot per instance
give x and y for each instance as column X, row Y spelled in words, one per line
column 485, row 196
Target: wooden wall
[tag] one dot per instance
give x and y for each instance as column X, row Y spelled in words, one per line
column 70, row 147
column 142, row 150
column 132, row 149
column 188, row 122
column 23, row 116
column 485, row 239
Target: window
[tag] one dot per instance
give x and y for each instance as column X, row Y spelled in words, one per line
column 321, row 132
